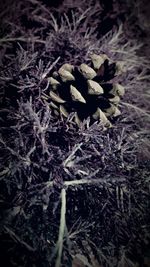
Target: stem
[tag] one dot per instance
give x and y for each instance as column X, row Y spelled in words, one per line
column 88, row 182
column 21, row 39
column 61, row 227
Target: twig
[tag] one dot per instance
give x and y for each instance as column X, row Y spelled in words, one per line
column 88, row 182
column 71, row 156
column 17, row 238
column 21, row 39
column 61, row 227
column 50, row 68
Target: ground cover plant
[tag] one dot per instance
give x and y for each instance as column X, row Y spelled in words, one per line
column 72, row 195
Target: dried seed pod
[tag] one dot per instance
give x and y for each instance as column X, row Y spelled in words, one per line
column 117, row 112
column 115, row 100
column 65, row 75
column 120, row 67
column 98, row 60
column 76, row 95
column 56, row 98
column 99, row 115
column 67, row 67
column 56, row 112
column 63, row 111
column 85, row 90
column 110, row 111
column 87, row 71
column 94, row 88
column 45, row 97
column 52, row 104
column 119, row 89
column 55, row 74
column 53, row 82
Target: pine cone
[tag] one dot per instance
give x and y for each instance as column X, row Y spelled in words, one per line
column 86, row 90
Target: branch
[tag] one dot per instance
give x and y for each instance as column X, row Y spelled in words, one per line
column 61, row 227
column 17, row 239
column 88, row 182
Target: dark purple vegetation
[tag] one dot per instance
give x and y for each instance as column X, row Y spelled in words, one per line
column 69, row 196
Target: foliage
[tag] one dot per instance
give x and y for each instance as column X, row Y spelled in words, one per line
column 69, row 194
